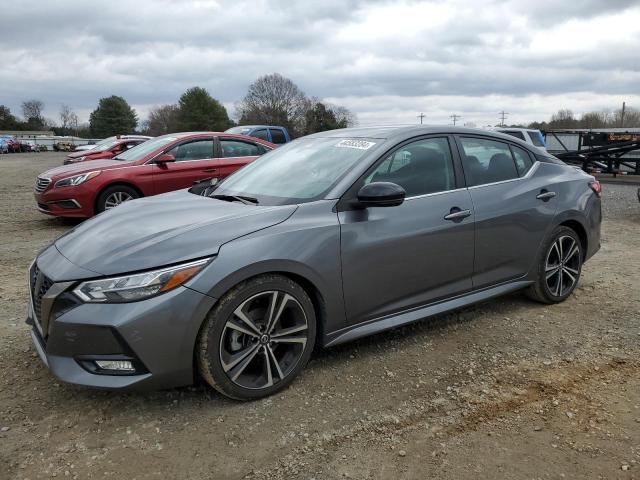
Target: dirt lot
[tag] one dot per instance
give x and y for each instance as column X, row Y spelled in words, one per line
column 505, row 389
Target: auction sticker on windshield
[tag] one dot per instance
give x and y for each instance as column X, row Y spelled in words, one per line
column 359, row 144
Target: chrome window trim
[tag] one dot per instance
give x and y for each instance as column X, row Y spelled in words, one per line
column 435, row 193
column 531, row 171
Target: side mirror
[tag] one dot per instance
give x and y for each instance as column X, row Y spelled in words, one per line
column 166, row 158
column 381, row 194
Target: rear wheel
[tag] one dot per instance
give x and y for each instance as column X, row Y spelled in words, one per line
column 559, row 267
column 257, row 338
column 114, row 196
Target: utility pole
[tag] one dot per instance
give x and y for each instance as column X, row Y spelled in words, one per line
column 455, row 118
column 421, row 116
column 622, row 114
column 503, row 116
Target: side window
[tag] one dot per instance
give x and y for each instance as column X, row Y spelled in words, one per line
column 536, row 138
column 420, row 167
column 487, row 161
column 196, row 150
column 523, row 160
column 277, row 136
column 261, row 134
column 516, row 134
column 238, row 148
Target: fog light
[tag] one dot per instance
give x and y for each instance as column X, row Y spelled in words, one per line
column 117, row 365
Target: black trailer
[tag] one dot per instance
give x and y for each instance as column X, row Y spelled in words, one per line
column 607, row 150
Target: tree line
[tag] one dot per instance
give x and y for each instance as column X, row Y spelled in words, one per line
column 270, row 100
column 566, row 119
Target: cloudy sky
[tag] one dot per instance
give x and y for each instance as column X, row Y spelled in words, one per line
column 385, row 60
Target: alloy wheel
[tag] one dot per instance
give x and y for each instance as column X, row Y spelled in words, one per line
column 115, row 199
column 263, row 339
column 562, row 267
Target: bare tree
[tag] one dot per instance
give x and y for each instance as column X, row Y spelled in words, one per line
column 275, row 100
column 344, row 116
column 163, row 119
column 563, row 119
column 32, row 109
column 631, row 118
column 66, row 115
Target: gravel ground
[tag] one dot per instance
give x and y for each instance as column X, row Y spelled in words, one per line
column 504, row 389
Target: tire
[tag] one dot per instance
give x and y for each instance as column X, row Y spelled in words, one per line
column 556, row 279
column 114, row 195
column 226, row 344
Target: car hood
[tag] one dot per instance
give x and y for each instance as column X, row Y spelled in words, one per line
column 162, row 230
column 83, row 167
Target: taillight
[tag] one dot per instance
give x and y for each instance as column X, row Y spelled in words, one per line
column 596, row 187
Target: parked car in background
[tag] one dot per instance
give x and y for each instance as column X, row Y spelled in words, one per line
column 531, row 136
column 106, row 150
column 13, row 146
column 336, row 236
column 4, row 146
column 273, row 134
column 156, row 166
column 28, row 146
column 91, row 146
column 63, row 146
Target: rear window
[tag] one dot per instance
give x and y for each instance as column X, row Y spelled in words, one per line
column 523, row 160
column 277, row 136
column 536, row 138
column 513, row 133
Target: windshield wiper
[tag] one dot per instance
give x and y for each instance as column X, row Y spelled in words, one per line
column 237, row 198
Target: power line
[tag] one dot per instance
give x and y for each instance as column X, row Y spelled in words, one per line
column 503, row 116
column 455, row 118
column 421, row 116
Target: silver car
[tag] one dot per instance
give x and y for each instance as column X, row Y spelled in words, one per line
column 332, row 237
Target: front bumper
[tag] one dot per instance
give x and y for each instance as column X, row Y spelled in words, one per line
column 157, row 334
column 65, row 202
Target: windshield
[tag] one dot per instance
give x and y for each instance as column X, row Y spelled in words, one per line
column 140, row 151
column 298, row 172
column 101, row 147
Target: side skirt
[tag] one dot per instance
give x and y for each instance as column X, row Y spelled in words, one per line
column 413, row 315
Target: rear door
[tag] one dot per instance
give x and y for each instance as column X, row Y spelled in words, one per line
column 514, row 203
column 397, row 258
column 194, row 161
column 235, row 153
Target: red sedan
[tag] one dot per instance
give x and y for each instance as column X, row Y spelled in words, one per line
column 107, row 150
column 160, row 165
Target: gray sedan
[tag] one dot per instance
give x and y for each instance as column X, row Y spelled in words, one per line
column 329, row 238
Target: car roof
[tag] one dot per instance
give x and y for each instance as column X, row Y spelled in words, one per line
column 389, row 132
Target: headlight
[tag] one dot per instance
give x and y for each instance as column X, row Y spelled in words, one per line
column 77, row 179
column 139, row 286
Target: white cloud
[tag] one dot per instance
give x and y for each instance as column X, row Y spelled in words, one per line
column 385, row 60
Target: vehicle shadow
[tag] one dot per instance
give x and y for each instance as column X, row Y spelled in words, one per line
column 201, row 395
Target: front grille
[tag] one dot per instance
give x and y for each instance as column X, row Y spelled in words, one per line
column 39, row 285
column 42, row 184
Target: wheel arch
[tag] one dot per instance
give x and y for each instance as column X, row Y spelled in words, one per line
column 580, row 230
column 113, row 184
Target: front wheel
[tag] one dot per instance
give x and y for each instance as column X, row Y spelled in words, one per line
column 257, row 338
column 114, row 196
column 559, row 267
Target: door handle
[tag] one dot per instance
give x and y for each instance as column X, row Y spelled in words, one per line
column 456, row 214
column 210, row 170
column 544, row 195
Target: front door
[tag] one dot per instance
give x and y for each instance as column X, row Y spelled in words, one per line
column 397, row 258
column 514, row 202
column 194, row 161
